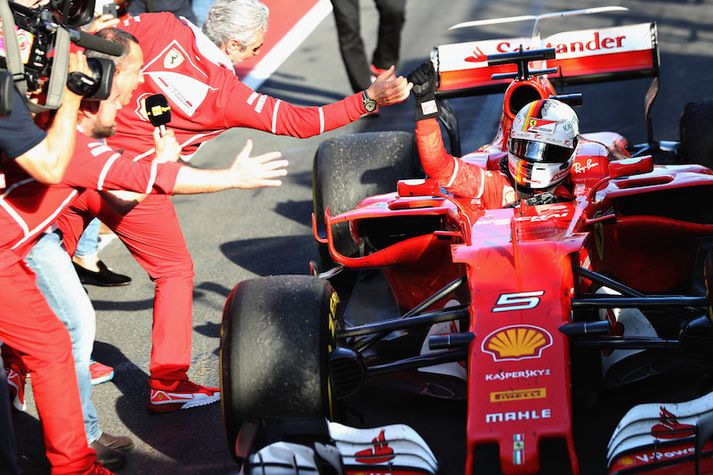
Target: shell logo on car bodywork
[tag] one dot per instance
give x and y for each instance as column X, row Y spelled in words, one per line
column 517, row 342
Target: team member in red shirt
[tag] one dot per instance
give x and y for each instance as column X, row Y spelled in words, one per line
column 541, row 148
column 195, row 72
column 26, row 321
column 96, row 167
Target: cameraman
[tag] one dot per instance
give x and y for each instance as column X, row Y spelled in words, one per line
column 96, row 167
column 26, row 321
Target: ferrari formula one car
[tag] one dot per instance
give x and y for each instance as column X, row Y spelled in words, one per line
column 526, row 312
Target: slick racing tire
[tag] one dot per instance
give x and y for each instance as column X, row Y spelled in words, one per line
column 348, row 169
column 275, row 339
column 695, row 129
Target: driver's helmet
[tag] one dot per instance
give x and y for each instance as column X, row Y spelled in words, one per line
column 542, row 142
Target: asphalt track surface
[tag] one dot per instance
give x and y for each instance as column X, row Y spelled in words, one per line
column 237, row 235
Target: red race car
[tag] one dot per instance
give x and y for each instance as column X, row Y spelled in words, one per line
column 516, row 310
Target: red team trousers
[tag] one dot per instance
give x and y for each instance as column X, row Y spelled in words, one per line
column 43, row 343
column 152, row 234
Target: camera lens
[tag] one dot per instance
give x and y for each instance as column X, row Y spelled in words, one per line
column 73, row 13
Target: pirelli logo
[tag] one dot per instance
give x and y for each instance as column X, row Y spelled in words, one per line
column 518, row 395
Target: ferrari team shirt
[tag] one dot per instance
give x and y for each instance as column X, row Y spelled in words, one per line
column 28, row 207
column 205, row 95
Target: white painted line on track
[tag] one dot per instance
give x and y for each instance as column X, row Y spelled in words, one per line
column 287, row 45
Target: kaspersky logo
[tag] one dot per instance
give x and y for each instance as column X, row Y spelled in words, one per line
column 517, row 342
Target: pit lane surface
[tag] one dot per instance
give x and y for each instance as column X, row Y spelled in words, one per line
column 241, row 234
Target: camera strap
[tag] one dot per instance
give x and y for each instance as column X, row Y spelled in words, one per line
column 14, row 63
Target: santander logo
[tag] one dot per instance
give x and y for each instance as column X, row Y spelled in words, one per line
column 596, row 42
column 478, row 56
column 380, row 453
column 669, row 427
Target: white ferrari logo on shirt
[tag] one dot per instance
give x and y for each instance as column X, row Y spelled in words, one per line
column 173, row 59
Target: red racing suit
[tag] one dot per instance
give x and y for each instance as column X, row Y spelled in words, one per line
column 491, row 189
column 205, row 95
column 206, row 98
column 27, row 208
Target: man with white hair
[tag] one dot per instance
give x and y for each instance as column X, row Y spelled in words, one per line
column 194, row 70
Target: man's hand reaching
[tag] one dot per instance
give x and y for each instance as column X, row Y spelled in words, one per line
column 245, row 172
column 389, row 89
column 255, row 172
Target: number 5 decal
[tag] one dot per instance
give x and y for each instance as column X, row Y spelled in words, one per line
column 518, row 301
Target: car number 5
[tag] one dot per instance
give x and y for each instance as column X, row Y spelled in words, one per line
column 518, row 301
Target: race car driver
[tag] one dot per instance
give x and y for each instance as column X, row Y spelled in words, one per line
column 96, row 166
column 541, row 148
column 195, row 72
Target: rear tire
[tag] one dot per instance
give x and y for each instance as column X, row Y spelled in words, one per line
column 274, row 345
column 348, row 169
column 695, row 129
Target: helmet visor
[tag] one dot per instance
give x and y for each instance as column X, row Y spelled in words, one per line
column 539, row 152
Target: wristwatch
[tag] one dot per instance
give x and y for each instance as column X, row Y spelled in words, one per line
column 369, row 103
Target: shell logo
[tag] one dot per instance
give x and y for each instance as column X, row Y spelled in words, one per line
column 517, row 342
column 626, row 461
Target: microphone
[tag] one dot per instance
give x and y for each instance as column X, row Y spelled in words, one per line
column 93, row 42
column 158, row 111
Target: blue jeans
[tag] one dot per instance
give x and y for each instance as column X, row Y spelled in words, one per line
column 58, row 282
column 89, row 242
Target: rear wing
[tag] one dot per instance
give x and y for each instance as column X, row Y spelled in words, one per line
column 583, row 56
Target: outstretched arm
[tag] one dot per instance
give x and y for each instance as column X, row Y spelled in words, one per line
column 244, row 107
column 246, row 172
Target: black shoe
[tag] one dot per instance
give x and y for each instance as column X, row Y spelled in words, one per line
column 116, row 442
column 112, row 459
column 104, row 278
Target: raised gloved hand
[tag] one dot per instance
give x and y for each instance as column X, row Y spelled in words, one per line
column 423, row 79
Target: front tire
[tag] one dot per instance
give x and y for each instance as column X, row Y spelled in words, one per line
column 349, row 168
column 274, row 346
